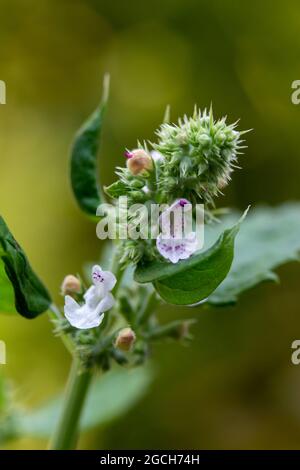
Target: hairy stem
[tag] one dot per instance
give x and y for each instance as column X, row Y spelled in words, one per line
column 67, row 431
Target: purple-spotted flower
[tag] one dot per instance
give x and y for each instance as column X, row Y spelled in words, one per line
column 97, row 300
column 177, row 240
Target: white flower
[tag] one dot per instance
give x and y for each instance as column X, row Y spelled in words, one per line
column 98, row 300
column 157, row 156
column 177, row 240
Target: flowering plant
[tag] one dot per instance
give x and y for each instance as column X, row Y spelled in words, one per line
column 115, row 320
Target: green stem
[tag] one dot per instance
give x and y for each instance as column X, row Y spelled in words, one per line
column 65, row 436
column 66, row 433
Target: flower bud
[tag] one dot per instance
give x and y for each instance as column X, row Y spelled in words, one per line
column 138, row 161
column 220, row 137
column 137, row 196
column 204, row 139
column 71, row 285
column 125, row 339
column 137, row 184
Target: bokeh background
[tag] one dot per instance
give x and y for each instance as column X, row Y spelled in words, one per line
column 234, row 386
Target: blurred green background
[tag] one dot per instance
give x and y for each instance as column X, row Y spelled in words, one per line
column 235, row 386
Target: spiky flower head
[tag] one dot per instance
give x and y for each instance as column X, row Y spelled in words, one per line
column 200, row 155
column 191, row 160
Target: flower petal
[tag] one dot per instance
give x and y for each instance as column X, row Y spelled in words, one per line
column 71, row 307
column 92, row 320
column 107, row 303
column 87, row 323
column 74, row 313
column 105, row 279
column 82, row 317
column 92, row 296
column 175, row 249
column 175, row 220
column 157, row 156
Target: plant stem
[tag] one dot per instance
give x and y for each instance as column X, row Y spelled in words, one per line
column 66, row 433
column 65, row 436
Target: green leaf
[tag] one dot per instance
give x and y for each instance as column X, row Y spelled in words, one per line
column 31, row 297
column 269, row 238
column 110, row 396
column 7, row 299
column 194, row 279
column 84, row 153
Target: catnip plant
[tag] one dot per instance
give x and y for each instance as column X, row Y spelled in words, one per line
column 109, row 317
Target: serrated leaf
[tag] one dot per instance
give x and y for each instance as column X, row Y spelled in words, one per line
column 110, row 396
column 84, row 172
column 30, row 296
column 194, row 279
column 269, row 238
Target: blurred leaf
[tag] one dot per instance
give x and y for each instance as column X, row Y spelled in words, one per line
column 192, row 280
column 31, row 297
column 84, row 153
column 268, row 238
column 8, row 412
column 3, row 399
column 178, row 330
column 110, row 396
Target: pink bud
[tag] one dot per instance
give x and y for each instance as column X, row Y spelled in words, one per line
column 139, row 161
column 125, row 339
column 71, row 285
